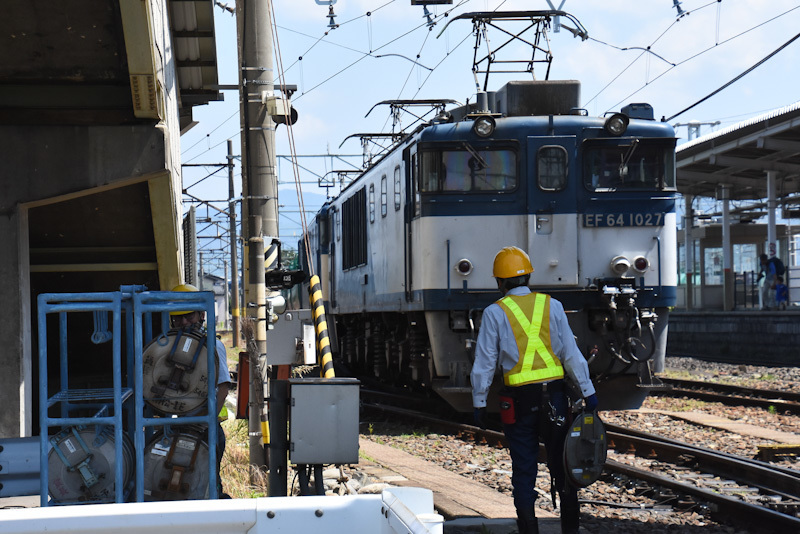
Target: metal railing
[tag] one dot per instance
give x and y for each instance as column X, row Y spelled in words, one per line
column 745, row 290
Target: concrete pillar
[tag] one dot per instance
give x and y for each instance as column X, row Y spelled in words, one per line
column 16, row 417
column 772, row 247
column 689, row 250
column 724, row 194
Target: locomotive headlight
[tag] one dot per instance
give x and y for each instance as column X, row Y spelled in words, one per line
column 484, row 126
column 620, row 265
column 464, row 267
column 616, row 124
column 640, row 263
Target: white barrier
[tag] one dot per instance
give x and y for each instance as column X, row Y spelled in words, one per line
column 395, row 511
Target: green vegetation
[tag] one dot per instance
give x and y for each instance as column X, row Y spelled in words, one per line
column 688, row 405
column 362, row 454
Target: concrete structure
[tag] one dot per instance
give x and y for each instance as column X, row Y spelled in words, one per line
column 750, row 338
column 221, row 308
column 748, row 241
column 755, row 160
column 94, row 97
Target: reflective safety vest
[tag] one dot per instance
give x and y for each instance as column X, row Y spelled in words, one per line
column 529, row 316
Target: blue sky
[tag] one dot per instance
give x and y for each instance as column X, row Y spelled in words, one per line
column 637, row 51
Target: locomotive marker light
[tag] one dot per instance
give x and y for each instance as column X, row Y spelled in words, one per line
column 464, row 267
column 484, row 126
column 641, row 264
column 620, row 265
column 616, row 124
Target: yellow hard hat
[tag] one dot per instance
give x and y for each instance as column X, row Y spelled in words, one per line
column 511, row 262
column 183, row 287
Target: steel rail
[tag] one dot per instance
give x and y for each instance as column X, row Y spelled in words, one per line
column 761, row 475
column 732, row 510
column 785, row 481
column 784, row 401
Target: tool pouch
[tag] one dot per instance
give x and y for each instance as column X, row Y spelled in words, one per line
column 507, row 412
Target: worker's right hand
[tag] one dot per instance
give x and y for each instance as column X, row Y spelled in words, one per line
column 480, row 417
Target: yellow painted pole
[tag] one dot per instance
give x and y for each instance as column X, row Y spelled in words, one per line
column 321, row 327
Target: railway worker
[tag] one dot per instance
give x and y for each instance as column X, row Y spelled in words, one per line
column 534, row 400
column 195, row 319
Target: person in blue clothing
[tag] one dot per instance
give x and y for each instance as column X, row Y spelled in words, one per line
column 768, row 272
column 527, row 336
column 781, row 293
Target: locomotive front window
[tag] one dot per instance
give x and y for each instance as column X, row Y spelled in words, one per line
column 631, row 165
column 551, row 166
column 468, row 169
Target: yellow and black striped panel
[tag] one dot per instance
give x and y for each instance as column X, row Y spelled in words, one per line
column 271, row 256
column 321, row 326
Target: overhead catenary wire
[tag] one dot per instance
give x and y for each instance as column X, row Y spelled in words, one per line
column 318, row 41
column 690, row 58
column 292, row 146
column 428, row 77
column 739, row 77
column 647, row 50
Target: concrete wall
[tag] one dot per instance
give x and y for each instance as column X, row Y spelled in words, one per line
column 753, row 338
column 45, row 164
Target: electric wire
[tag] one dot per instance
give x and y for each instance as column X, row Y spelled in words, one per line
column 324, row 35
column 320, row 39
column 212, row 131
column 737, row 78
column 644, row 51
column 711, row 48
column 364, row 56
column 292, row 146
column 209, row 149
column 209, row 175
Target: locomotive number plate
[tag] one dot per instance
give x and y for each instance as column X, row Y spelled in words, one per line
column 596, row 220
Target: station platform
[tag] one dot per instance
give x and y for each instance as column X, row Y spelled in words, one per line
column 750, row 337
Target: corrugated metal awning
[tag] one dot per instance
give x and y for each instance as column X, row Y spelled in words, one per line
column 741, row 154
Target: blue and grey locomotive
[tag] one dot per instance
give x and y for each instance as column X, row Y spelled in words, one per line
column 405, row 251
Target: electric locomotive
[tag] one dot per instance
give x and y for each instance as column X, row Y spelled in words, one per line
column 405, row 251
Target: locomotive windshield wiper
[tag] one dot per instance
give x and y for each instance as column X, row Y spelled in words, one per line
column 474, row 153
column 623, row 166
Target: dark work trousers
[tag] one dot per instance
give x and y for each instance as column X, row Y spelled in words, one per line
column 220, row 452
column 523, row 444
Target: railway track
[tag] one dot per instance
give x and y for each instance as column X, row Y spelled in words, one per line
column 736, row 490
column 782, row 401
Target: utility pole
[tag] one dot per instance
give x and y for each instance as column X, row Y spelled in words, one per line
column 227, row 298
column 237, row 334
column 259, row 189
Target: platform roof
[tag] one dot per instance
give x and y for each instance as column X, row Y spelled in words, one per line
column 741, row 154
column 66, row 61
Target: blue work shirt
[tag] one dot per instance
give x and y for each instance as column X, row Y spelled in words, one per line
column 497, row 345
